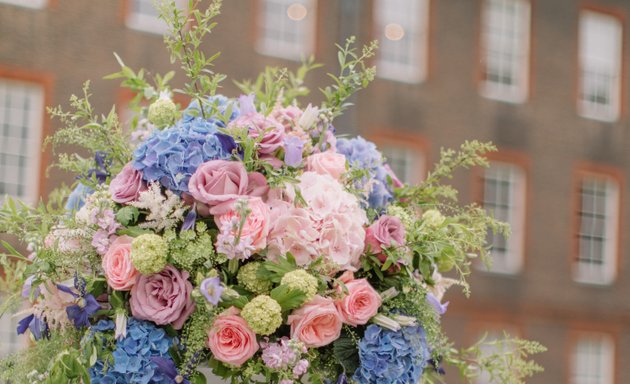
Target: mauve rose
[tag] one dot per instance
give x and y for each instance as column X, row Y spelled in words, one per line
column 360, row 304
column 119, row 271
column 163, row 298
column 316, row 323
column 127, row 185
column 268, row 132
column 230, row 339
column 218, row 183
column 383, row 233
column 327, row 163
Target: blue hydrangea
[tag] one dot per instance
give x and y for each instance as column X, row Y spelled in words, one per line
column 389, row 357
column 132, row 358
column 172, row 155
column 363, row 154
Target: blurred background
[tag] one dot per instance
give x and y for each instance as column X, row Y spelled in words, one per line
column 545, row 80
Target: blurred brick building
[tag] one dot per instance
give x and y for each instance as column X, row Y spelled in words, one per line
column 545, row 80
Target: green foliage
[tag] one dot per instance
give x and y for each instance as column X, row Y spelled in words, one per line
column 354, row 75
column 190, row 250
column 194, row 339
column 504, row 361
column 186, row 31
column 345, row 350
column 127, row 215
column 274, row 270
column 44, row 358
column 83, row 128
column 288, row 298
column 278, row 85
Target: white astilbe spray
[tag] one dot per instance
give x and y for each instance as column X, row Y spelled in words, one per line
column 163, row 212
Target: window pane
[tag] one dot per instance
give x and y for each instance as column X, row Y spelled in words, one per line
column 504, row 198
column 143, row 16
column 505, row 33
column 286, row 28
column 597, row 232
column 407, row 163
column 21, row 110
column 403, row 27
column 600, row 65
column 593, row 360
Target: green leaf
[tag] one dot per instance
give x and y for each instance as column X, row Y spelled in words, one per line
column 133, row 231
column 346, row 352
column 127, row 215
column 288, row 298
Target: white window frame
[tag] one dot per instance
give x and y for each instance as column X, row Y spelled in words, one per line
column 510, row 48
column 593, row 359
column 595, row 61
column 412, row 18
column 290, row 50
column 605, row 273
column 147, row 23
column 35, row 4
column 412, row 158
column 508, row 260
column 29, row 148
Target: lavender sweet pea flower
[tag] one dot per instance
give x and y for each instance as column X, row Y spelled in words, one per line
column 246, row 104
column 28, row 287
column 212, row 289
column 293, row 147
column 440, row 308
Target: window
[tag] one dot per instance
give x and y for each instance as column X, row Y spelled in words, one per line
column 286, row 28
column 504, row 192
column 38, row 4
column 505, row 44
column 21, row 113
column 403, row 34
column 593, row 360
column 597, row 232
column 406, row 162
column 143, row 16
column 600, row 66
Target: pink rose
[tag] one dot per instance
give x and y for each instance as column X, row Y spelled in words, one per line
column 287, row 116
column 230, row 339
column 256, row 225
column 127, row 185
column 360, row 304
column 327, row 163
column 268, row 132
column 218, row 183
column 119, row 271
column 317, row 323
column 163, row 297
column 385, row 232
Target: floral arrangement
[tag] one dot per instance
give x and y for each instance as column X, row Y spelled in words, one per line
column 243, row 234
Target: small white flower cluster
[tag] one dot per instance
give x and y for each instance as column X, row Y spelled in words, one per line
column 164, row 212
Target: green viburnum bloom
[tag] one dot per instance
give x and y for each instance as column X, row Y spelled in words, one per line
column 248, row 279
column 162, row 112
column 263, row 314
column 149, row 253
column 433, row 218
column 302, row 281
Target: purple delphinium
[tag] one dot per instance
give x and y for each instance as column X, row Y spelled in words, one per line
column 167, row 368
column 211, row 289
column 38, row 327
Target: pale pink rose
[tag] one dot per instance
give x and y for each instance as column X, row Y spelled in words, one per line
column 218, row 183
column 360, row 304
column 346, row 277
column 327, row 163
column 127, row 185
column 385, row 232
column 230, row 339
column 316, row 323
column 287, row 116
column 268, row 132
column 163, row 298
column 120, row 273
column 256, row 225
